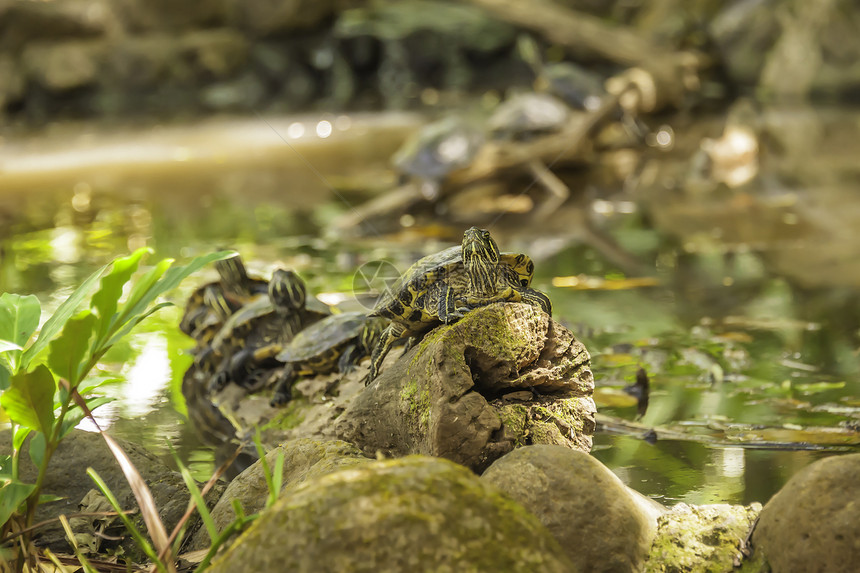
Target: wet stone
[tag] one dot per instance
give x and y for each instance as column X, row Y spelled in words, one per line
column 600, row 523
column 813, row 522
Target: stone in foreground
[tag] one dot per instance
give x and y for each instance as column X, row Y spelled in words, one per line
column 813, row 522
column 406, row 515
column 505, row 375
column 600, row 523
column 304, row 459
column 702, row 538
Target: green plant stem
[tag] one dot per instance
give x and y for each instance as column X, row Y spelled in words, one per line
column 16, row 454
column 50, row 446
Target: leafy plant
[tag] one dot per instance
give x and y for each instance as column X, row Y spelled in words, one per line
column 40, row 380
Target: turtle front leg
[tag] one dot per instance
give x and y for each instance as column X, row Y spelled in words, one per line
column 284, row 387
column 236, row 370
column 536, row 298
column 394, row 331
column 447, row 308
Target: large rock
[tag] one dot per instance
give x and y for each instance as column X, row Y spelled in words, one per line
column 304, row 459
column 505, row 375
column 813, row 522
column 597, row 520
column 411, row 514
column 67, row 477
column 700, row 539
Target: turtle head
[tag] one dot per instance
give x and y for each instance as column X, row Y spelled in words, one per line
column 480, row 257
column 232, row 272
column 287, row 290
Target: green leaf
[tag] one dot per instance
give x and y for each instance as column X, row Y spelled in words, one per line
column 18, row 438
column 6, row 346
column 4, row 378
column 37, row 448
column 107, row 297
column 129, row 326
column 70, row 352
column 58, row 320
column 143, row 286
column 12, row 495
column 170, row 280
column 19, row 318
column 29, row 400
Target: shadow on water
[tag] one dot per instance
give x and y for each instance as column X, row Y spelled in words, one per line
column 748, row 323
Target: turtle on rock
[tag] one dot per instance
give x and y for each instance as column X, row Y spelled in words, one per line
column 440, row 288
column 336, row 343
column 255, row 334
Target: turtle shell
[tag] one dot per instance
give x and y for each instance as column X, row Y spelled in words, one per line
column 323, row 336
column 528, row 113
column 408, row 294
column 439, row 148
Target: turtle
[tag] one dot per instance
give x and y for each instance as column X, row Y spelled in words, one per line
column 436, row 150
column 260, row 329
column 527, row 114
column 440, row 288
column 211, row 304
column 335, row 343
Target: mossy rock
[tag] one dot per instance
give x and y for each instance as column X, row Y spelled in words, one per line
column 410, row 514
column 505, row 375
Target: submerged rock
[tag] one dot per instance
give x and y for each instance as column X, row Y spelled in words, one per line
column 304, row 459
column 505, row 375
column 700, row 539
column 813, row 522
column 600, row 523
column 412, row 514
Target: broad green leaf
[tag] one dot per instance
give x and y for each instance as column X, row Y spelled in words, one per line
column 19, row 318
column 70, row 352
column 12, row 495
column 4, row 378
column 58, row 320
column 20, row 435
column 74, row 416
column 29, row 400
column 107, row 297
column 37, row 448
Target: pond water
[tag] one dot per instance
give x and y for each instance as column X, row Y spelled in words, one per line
column 740, row 301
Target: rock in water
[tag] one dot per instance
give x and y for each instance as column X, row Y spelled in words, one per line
column 505, row 375
column 600, row 523
column 405, row 515
column 813, row 522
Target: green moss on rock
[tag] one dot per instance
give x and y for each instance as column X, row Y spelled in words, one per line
column 700, row 539
column 410, row 514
